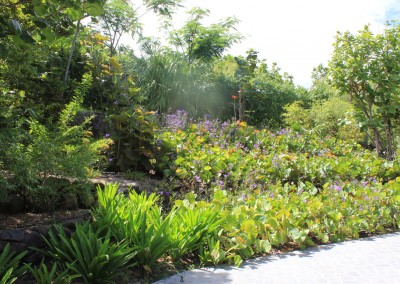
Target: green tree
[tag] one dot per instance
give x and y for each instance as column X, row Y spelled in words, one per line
column 197, row 41
column 262, row 91
column 29, row 22
column 322, row 87
column 366, row 67
column 121, row 17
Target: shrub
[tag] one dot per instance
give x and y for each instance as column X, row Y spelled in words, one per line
column 43, row 276
column 335, row 117
column 58, row 150
column 137, row 220
column 190, row 225
column 95, row 259
column 10, row 268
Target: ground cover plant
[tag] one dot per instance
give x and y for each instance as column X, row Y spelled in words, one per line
column 276, row 187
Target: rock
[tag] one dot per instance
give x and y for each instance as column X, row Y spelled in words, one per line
column 13, row 235
column 33, row 239
column 42, row 229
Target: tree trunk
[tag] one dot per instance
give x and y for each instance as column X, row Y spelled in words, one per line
column 71, row 52
column 377, row 141
column 389, row 140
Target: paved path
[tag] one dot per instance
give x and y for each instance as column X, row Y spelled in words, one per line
column 371, row 260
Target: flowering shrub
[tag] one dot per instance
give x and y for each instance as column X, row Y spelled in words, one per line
column 249, row 191
column 236, row 157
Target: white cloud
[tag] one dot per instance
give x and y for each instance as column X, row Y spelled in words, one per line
column 297, row 35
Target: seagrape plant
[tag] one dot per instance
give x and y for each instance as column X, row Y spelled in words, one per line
column 272, row 188
column 233, row 156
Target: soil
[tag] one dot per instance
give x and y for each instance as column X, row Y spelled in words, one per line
column 25, row 220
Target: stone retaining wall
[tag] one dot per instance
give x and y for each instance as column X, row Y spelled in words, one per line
column 22, row 238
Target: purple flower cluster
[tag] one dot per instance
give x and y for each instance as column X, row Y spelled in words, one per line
column 283, row 131
column 175, row 121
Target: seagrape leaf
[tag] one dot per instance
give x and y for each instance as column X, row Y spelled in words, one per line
column 75, row 14
column 294, row 233
column 263, row 246
column 250, row 228
column 220, row 195
column 93, row 9
column 48, row 33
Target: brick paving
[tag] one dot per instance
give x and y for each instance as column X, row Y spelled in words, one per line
column 370, row 260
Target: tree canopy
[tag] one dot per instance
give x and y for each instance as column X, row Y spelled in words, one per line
column 367, row 67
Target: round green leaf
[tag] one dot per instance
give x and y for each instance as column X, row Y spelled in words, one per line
column 93, row 9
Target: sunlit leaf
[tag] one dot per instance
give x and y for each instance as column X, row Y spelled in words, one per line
column 93, row 8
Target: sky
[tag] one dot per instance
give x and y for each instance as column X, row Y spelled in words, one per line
column 296, row 34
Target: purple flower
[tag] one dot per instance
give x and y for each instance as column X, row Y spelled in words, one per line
column 110, row 159
column 197, row 178
column 243, row 196
column 337, row 188
column 107, row 135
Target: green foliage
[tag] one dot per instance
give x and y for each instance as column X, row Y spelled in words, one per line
column 322, row 87
column 38, row 21
column 119, row 18
column 250, row 190
column 263, row 91
column 61, row 149
column 365, row 66
column 204, row 43
column 190, row 224
column 137, row 220
column 133, row 175
column 335, row 117
column 297, row 116
column 168, row 83
column 134, row 137
column 93, row 258
column 283, row 163
column 44, row 276
column 10, row 268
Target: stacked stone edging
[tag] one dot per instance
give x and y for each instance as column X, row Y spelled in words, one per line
column 24, row 237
